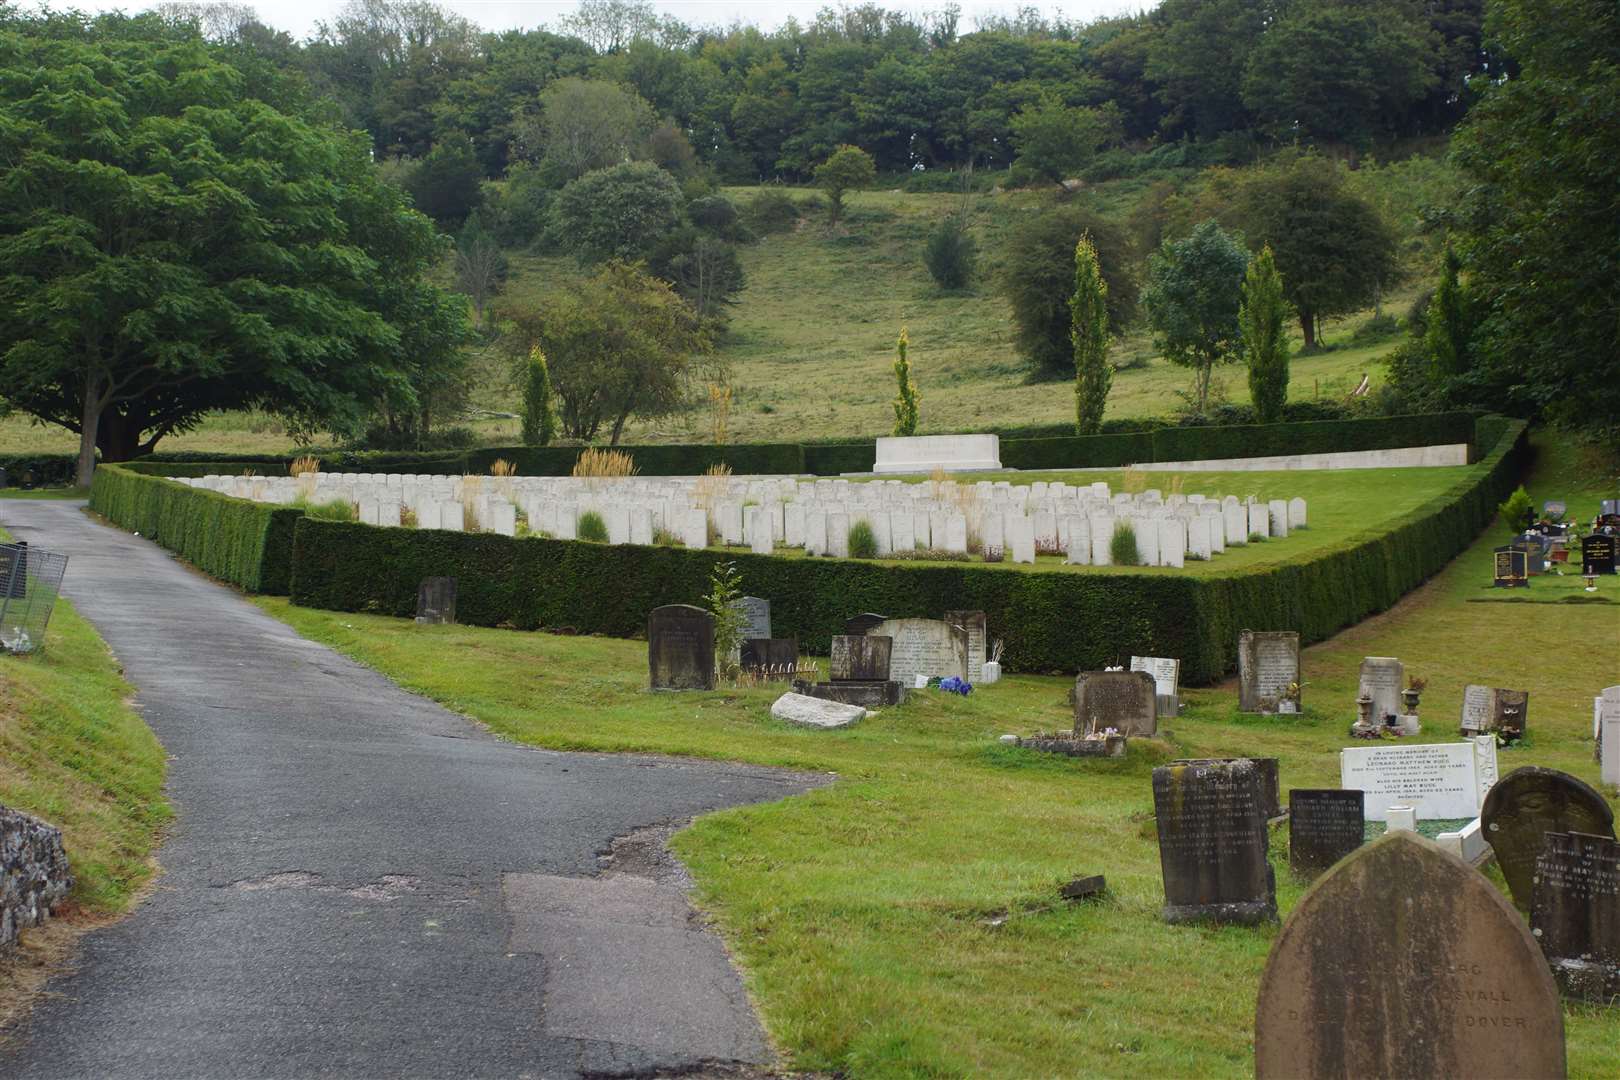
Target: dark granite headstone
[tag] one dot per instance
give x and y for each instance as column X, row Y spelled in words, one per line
column 870, row 694
column 1404, row 961
column 680, row 648
column 1512, row 567
column 1122, row 700
column 860, row 624
column 1576, row 913
column 1491, row 710
column 860, row 658
column 771, row 658
column 1324, row 825
column 1213, row 843
column 1268, row 664
column 756, row 617
column 1527, row 804
column 436, row 601
column 1597, row 554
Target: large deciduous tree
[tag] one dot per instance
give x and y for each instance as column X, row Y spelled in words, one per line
column 1194, row 292
column 584, row 125
column 1056, row 141
column 1037, row 277
column 848, row 169
column 1538, row 225
column 170, row 245
column 618, row 213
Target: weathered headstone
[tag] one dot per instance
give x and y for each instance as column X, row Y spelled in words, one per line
column 1527, row 804
column 436, row 601
column 1404, row 961
column 1213, row 843
column 1381, row 678
column 772, row 659
column 680, row 648
column 1270, row 780
column 1575, row 913
column 1122, row 700
column 1166, row 674
column 977, row 627
column 929, row 647
column 1268, row 665
column 1486, row 709
column 1438, row 780
column 859, row 657
column 756, row 617
column 863, row 623
column 1607, row 708
column 1324, row 825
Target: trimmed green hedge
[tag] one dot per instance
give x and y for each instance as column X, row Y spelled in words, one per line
column 1077, row 451
column 1313, row 437
column 1051, row 622
column 246, row 543
column 49, row 470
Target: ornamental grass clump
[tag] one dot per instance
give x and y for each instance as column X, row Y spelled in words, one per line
column 609, row 463
column 592, row 528
column 1122, row 549
column 862, row 541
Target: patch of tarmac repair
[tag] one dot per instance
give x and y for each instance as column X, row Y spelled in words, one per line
column 386, row 888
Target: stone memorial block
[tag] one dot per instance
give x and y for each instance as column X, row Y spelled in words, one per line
column 1268, row 664
column 1200, row 537
column 1172, row 542
column 1259, row 520
column 1122, row 700
column 436, row 601
column 388, row 513
column 1527, row 804
column 1019, row 532
column 1575, row 913
column 756, row 617
column 1438, row 780
column 1324, row 825
column 1102, row 539
column 793, row 525
column 1147, row 541
column 860, row 658
column 977, row 627
column 757, row 526
column 1597, row 554
column 838, row 535
column 1512, row 567
column 1607, row 707
column 815, row 532
column 452, row 517
column 1452, row 986
column 993, row 532
column 680, row 648
column 863, row 623
column 927, row 647
column 903, row 531
column 1166, row 674
column 1381, row 679
column 1235, row 523
column 1277, row 511
column 1486, row 709
column 1296, row 513
column 1213, row 843
column 770, row 658
column 694, row 530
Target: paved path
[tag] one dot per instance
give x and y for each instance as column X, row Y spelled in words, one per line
column 363, row 884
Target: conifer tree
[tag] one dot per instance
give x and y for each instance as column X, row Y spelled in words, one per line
column 539, row 411
column 905, row 404
column 1265, row 347
column 1088, row 332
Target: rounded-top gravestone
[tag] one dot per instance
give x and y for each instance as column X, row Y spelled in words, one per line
column 1404, row 961
column 1527, row 804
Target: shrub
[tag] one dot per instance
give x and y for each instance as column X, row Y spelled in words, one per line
column 618, row 212
column 1515, row 512
column 951, row 255
column 862, row 541
column 330, row 510
column 1122, row 549
column 771, row 211
column 592, row 528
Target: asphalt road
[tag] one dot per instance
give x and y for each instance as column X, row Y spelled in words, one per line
column 359, row 882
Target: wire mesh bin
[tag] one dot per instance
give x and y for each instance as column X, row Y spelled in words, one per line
column 29, row 582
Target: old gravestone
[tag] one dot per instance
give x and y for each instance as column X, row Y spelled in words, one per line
column 1122, row 700
column 1527, row 804
column 1575, row 913
column 680, row 648
column 1270, row 780
column 859, row 657
column 770, row 658
column 1404, row 961
column 756, row 617
column 1268, row 664
column 1380, row 679
column 1488, row 709
column 861, row 624
column 928, row 647
column 1324, row 825
column 1213, row 843
column 977, row 627
column 1166, row 674
column 436, row 601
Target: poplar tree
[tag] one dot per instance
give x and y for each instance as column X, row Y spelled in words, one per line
column 1265, row 347
column 1088, row 332
column 539, row 411
column 905, row 404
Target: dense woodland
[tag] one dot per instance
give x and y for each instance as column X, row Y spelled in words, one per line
column 138, row 145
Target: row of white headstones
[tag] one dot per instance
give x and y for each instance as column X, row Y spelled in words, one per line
column 1016, row 520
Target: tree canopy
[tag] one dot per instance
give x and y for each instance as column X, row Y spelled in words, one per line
column 1193, row 295
column 1038, row 278
column 171, row 244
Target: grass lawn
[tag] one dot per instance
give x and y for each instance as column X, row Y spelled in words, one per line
column 905, row 920
column 74, row 753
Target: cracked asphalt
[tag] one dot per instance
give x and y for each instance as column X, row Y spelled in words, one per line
column 360, row 883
